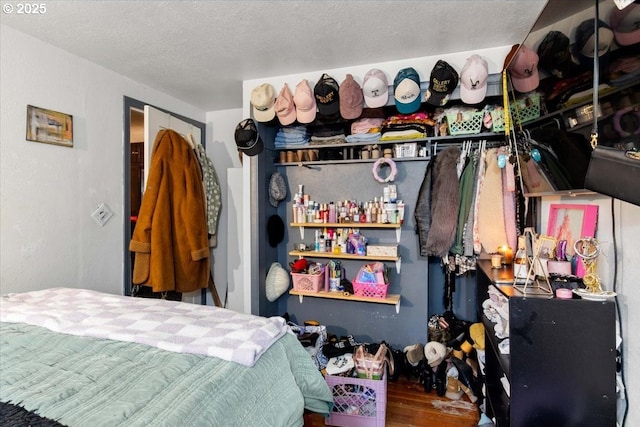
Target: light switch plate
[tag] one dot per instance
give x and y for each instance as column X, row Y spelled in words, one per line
column 102, row 214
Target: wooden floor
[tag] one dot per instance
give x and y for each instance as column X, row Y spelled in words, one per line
column 409, row 406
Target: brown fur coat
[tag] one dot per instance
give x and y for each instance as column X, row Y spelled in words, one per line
column 445, row 203
column 170, row 238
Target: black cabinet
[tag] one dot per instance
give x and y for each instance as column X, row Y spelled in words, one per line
column 561, row 366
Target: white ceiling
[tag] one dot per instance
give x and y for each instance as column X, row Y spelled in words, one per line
column 201, row 51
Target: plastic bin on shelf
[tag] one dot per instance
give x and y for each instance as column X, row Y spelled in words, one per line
column 372, row 290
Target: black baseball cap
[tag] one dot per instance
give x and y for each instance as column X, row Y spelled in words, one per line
column 554, row 53
column 443, row 81
column 327, row 94
column 247, row 138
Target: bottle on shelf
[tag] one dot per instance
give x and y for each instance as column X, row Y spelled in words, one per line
column 520, row 261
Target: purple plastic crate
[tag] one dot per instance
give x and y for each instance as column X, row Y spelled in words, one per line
column 357, row 402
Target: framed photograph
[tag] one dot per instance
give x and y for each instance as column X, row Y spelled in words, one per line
column 572, row 222
column 48, row 126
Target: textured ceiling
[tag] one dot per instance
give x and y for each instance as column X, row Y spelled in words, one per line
column 201, row 51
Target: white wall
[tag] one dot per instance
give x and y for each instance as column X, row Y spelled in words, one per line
column 627, row 235
column 221, row 149
column 47, row 237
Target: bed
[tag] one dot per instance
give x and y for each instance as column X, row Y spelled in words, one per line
column 79, row 357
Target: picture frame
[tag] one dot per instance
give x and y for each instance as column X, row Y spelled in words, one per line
column 572, row 222
column 49, row 126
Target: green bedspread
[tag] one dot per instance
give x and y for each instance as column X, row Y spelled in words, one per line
column 82, row 381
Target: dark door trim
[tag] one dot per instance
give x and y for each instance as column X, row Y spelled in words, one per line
column 130, row 103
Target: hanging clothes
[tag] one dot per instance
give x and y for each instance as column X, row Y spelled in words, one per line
column 170, row 238
column 212, row 192
column 445, row 203
column 491, row 226
column 467, row 179
column 422, row 212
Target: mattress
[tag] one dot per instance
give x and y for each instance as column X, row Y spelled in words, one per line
column 89, row 381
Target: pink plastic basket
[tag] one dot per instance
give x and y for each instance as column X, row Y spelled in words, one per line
column 372, row 290
column 308, row 282
column 357, row 402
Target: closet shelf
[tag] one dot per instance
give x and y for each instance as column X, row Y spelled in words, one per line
column 353, row 257
column 392, row 299
column 302, row 225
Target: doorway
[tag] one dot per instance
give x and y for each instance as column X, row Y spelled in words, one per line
column 134, row 179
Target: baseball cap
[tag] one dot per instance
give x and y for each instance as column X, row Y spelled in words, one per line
column 375, row 88
column 473, row 80
column 305, row 102
column 263, row 98
column 524, row 70
column 442, row 83
column 625, row 24
column 406, row 91
column 585, row 43
column 247, row 138
column 327, row 93
column 351, row 98
column 554, row 55
column 284, row 107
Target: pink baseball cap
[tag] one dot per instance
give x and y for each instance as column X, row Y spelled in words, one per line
column 524, row 70
column 305, row 102
column 351, row 98
column 375, row 88
column 625, row 24
column 473, row 80
column 284, row 106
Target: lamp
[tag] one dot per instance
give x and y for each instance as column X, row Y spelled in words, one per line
column 611, row 171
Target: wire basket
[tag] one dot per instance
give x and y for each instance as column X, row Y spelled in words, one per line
column 528, row 108
column 497, row 120
column 371, row 290
column 465, row 123
column 308, row 282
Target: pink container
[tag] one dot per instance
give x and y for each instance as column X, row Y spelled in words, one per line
column 357, row 402
column 372, row 290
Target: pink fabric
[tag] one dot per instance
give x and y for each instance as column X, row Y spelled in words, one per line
column 510, row 226
column 491, row 226
column 477, row 245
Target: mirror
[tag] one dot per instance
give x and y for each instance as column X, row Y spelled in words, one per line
column 561, row 38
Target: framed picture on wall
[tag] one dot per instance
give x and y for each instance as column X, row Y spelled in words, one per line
column 48, row 126
column 572, row 222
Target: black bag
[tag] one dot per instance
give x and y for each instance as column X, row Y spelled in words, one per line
column 615, row 173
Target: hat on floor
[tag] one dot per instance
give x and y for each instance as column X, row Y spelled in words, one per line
column 415, row 353
column 263, row 99
column 442, row 82
column 473, row 80
column 375, row 88
column 406, row 91
column 524, row 70
column 247, row 138
column 277, row 282
column 435, row 352
column 275, row 230
column 277, row 189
